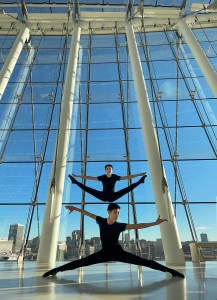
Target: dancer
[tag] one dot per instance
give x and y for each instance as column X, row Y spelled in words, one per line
column 111, row 250
column 108, row 181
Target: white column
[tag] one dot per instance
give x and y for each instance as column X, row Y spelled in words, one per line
column 71, row 150
column 12, row 58
column 169, row 232
column 203, row 62
column 50, row 228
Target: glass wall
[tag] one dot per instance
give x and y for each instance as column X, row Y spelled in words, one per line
column 105, row 129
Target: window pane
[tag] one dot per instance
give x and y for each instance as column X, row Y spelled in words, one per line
column 104, row 72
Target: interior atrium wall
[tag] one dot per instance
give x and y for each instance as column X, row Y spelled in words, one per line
column 105, row 129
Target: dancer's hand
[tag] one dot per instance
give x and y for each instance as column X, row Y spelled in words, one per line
column 70, row 208
column 142, row 174
column 159, row 220
column 75, row 175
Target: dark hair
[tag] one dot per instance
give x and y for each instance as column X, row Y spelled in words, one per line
column 108, row 166
column 112, row 206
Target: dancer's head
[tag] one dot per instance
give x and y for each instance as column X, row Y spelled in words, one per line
column 113, row 211
column 108, row 169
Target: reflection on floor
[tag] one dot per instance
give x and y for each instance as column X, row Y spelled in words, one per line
column 103, row 281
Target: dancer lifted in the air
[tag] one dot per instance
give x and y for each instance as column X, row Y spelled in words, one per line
column 108, row 182
column 111, row 250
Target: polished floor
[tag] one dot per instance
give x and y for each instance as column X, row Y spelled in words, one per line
column 107, row 281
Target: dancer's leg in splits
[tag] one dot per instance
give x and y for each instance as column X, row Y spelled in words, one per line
column 108, row 181
column 111, row 248
column 117, row 255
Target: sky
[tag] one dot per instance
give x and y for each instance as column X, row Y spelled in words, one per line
column 105, row 137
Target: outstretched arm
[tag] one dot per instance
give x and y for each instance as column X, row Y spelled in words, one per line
column 132, row 176
column 85, row 177
column 145, row 225
column 82, row 211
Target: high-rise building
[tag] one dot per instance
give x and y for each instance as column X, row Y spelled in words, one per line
column 61, row 251
column 5, row 245
column 35, row 244
column 16, row 234
column 127, row 238
column 204, row 237
column 95, row 241
column 76, row 235
column 69, row 241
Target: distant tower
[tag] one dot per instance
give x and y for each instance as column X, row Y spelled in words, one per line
column 16, row 234
column 76, row 235
column 127, row 238
column 204, row 237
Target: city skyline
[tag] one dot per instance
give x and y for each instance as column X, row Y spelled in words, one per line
column 68, row 222
column 70, row 248
column 123, row 236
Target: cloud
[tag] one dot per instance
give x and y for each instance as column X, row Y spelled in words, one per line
column 202, row 228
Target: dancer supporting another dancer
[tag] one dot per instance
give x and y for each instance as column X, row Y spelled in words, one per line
column 108, row 180
column 111, row 250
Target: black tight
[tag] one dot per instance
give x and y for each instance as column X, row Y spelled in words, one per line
column 110, row 197
column 116, row 255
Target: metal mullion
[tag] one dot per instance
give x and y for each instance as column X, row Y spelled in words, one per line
column 133, row 160
column 125, row 203
column 210, row 42
column 114, row 128
column 36, row 173
column 41, row 163
column 163, row 108
column 19, row 101
column 200, row 99
column 1, row 48
column 84, row 167
column 171, row 151
column 15, row 115
column 19, row 104
column 180, row 184
column 195, row 104
column 176, row 137
column 53, row 98
column 175, row 165
column 210, row 125
column 32, row 205
column 169, row 143
column 62, row 5
column 126, row 139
